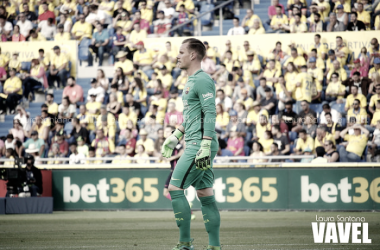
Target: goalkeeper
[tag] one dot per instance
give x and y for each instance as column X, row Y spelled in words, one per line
column 195, row 165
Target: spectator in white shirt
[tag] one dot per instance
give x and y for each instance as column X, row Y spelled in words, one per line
column 161, row 25
column 5, row 26
column 47, row 29
column 75, row 157
column 100, row 15
column 25, row 25
column 223, row 99
column 168, row 10
column 97, row 90
column 237, row 29
column 335, row 115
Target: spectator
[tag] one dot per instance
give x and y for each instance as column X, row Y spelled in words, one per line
column 37, row 142
column 304, row 142
column 122, row 21
column 235, row 125
column 58, row 68
column 320, row 151
column 266, row 140
column 208, row 64
column 289, row 117
column 334, row 24
column 98, row 15
column 17, row 131
column 131, row 142
column 341, row 15
column 13, row 92
column 102, row 80
column 146, row 142
column 262, row 126
column 332, row 154
column 281, row 140
column 34, row 36
column 82, row 147
column 125, row 116
column 25, row 26
column 144, row 58
column 355, row 24
column 161, row 25
column 223, row 152
column 81, row 29
column 336, row 116
column 134, row 107
column 168, row 10
column 272, row 10
column 98, row 45
column 271, row 74
column 119, row 41
column 359, row 113
column 362, row 70
column 235, row 143
column 122, row 157
column 173, row 117
column 113, row 106
column 73, row 91
column 335, row 91
column 237, row 29
column 138, row 23
column 363, row 83
column 77, row 131
column 102, row 144
column 279, row 22
column 275, row 152
column 141, row 154
column 322, row 136
column 317, row 24
column 298, row 26
column 66, row 110
column 295, row 58
column 260, row 91
column 23, row 117
column 222, row 118
column 63, row 145
column 363, row 15
column 30, row 15
column 257, row 151
column 5, row 27
column 336, row 69
column 255, row 113
column 355, row 95
column 36, row 78
column 309, row 124
column 270, row 102
column 224, row 100
column 61, row 35
column 256, row 29
column 376, row 66
column 46, row 13
column 47, row 29
column 76, row 157
column 188, row 5
column 356, row 144
column 96, row 90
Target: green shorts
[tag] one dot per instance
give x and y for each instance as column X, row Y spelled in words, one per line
column 185, row 173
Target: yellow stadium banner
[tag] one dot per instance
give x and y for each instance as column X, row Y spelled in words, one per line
column 264, row 44
column 29, row 50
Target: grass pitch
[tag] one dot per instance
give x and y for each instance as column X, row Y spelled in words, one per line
column 157, row 230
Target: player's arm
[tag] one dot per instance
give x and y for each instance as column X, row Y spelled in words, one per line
column 171, row 142
column 206, row 94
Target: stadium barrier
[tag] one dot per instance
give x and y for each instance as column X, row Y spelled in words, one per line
column 235, row 189
column 29, row 50
column 265, row 43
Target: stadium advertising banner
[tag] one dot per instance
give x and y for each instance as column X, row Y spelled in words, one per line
column 264, row 44
column 29, row 50
column 272, row 188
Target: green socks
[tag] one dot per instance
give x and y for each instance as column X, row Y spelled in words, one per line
column 182, row 214
column 211, row 219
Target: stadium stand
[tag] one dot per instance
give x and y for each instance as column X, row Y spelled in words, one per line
column 328, row 97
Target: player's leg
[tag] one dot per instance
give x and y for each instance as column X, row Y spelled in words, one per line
column 181, row 208
column 210, row 211
column 166, row 190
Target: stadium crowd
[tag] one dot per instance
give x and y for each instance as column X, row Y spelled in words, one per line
column 286, row 101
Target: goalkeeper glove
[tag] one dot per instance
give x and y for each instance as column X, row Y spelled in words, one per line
column 203, row 157
column 170, row 143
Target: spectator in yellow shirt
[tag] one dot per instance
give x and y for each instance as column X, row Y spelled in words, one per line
column 144, row 58
column 363, row 15
column 146, row 142
column 165, row 77
column 249, row 20
column 359, row 113
column 12, row 92
column 336, row 69
column 295, row 58
column 279, row 22
column 61, row 35
column 34, row 36
column 304, row 141
column 124, row 63
column 356, row 144
column 355, row 95
column 341, row 50
column 335, row 91
column 58, row 68
column 298, row 26
column 81, row 29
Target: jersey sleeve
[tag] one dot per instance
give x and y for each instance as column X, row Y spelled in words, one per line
column 206, row 94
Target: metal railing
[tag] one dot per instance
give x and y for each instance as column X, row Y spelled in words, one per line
column 199, row 25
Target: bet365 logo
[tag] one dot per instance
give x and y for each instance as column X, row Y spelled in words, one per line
column 331, row 232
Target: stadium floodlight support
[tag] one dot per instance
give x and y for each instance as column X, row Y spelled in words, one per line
column 199, row 25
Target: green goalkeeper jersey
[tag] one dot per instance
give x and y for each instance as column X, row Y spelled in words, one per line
column 199, row 112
